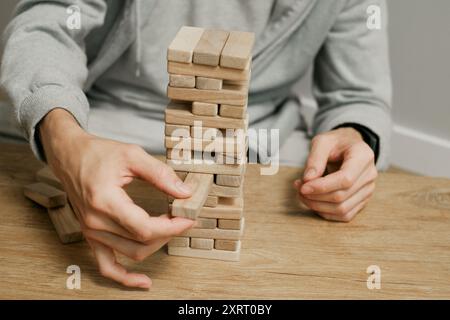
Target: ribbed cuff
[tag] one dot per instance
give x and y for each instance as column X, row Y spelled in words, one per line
column 42, row 101
column 373, row 118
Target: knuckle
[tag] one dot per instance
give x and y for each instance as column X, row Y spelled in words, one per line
column 91, row 222
column 346, row 181
column 338, row 197
column 131, row 151
column 143, row 235
column 320, row 138
column 105, row 271
column 95, row 200
column 341, row 209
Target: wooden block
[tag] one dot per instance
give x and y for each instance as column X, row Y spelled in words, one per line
column 173, row 130
column 179, row 242
column 66, row 224
column 237, row 50
column 209, row 47
column 230, row 111
column 227, row 192
column 46, row 175
column 201, row 243
column 231, row 169
column 229, row 224
column 182, row 47
column 45, row 195
column 211, row 201
column 180, row 114
column 213, row 254
column 216, row 233
column 220, row 145
column 190, row 207
column 233, row 95
column 181, row 81
column 179, row 154
column 204, row 109
column 208, row 83
column 229, row 245
column 228, row 181
column 209, row 71
column 204, row 133
column 227, row 208
column 205, row 223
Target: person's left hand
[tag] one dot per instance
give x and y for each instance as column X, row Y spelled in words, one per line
column 339, row 195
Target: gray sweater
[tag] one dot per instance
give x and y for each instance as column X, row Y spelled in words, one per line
column 118, row 58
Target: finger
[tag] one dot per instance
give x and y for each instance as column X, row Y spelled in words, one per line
column 110, row 268
column 340, row 208
column 159, row 174
column 132, row 249
column 347, row 217
column 321, row 148
column 354, row 163
column 137, row 221
column 100, row 222
column 368, row 176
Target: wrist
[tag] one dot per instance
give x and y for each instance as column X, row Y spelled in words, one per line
column 57, row 131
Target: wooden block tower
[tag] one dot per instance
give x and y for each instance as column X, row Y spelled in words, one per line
column 206, row 137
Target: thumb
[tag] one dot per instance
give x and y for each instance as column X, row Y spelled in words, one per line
column 159, row 174
column 321, row 148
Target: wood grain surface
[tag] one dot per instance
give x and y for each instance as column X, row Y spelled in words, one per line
column 286, row 253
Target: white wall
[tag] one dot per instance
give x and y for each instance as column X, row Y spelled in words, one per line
column 420, row 53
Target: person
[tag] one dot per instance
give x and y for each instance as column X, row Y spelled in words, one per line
column 113, row 67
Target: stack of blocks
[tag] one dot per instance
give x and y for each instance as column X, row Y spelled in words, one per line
column 206, row 137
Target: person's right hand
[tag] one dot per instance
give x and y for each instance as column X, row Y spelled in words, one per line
column 93, row 172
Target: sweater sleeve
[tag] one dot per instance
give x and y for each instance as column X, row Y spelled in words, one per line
column 44, row 64
column 352, row 81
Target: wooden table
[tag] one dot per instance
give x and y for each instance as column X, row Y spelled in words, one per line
column 286, row 253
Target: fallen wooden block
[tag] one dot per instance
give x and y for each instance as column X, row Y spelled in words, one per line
column 45, row 195
column 229, row 224
column 233, row 95
column 214, row 254
column 228, row 181
column 209, row 47
column 202, row 243
column 179, row 242
column 209, row 71
column 205, row 223
column 237, row 50
column 182, row 47
column 216, row 233
column 204, row 108
column 229, row 111
column 46, row 175
column 66, row 224
column 229, row 245
column 181, row 81
column 180, row 114
column 208, row 83
column 190, row 207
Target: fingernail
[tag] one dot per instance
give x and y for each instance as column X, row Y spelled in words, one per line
column 184, row 188
column 307, row 190
column 297, row 183
column 310, row 173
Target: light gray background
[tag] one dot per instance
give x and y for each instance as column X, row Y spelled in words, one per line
column 420, row 52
